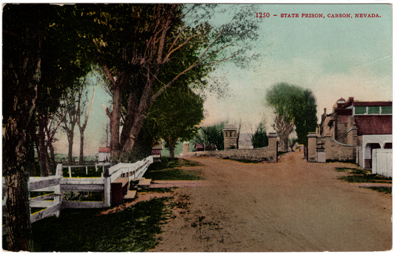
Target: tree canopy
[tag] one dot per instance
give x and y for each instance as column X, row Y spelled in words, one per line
column 211, row 135
column 294, row 107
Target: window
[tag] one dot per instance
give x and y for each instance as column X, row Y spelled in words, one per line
column 386, row 110
column 360, row 110
column 375, row 110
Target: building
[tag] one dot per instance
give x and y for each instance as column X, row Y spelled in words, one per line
column 352, row 131
column 104, row 153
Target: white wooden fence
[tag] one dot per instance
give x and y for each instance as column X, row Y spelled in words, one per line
column 58, row 184
column 382, row 162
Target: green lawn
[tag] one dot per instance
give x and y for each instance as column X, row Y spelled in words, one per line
column 360, row 176
column 81, row 230
column 365, row 176
column 167, row 170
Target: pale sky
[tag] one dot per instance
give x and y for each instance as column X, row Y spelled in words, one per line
column 334, row 57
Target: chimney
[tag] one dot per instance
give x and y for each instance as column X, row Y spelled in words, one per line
column 350, row 100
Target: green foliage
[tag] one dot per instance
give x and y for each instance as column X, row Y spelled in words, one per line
column 360, row 176
column 211, row 135
column 176, row 115
column 259, row 138
column 294, row 104
column 386, row 190
column 81, row 230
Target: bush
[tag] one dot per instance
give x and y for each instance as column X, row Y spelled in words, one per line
column 259, row 138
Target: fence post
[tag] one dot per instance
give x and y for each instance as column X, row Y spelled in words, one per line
column 107, row 187
column 69, row 172
column 86, row 170
column 57, row 191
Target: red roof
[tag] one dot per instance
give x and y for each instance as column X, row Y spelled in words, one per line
column 104, row 150
column 374, row 124
column 372, row 103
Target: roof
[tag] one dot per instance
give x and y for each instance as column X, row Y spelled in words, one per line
column 230, row 127
column 374, row 124
column 198, row 145
column 372, row 103
column 104, row 149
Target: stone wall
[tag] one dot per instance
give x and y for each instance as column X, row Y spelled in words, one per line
column 341, row 132
column 268, row 153
column 257, row 154
column 335, row 151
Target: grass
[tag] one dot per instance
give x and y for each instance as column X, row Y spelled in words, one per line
column 386, row 190
column 173, row 174
column 364, row 176
column 167, row 163
column 81, row 230
column 360, row 176
column 244, row 161
column 167, row 170
column 281, row 153
column 157, row 190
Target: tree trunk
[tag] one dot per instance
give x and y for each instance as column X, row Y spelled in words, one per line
column 172, row 145
column 52, row 161
column 19, row 131
column 70, row 138
column 81, row 161
column 283, row 129
column 284, row 143
column 115, row 123
column 42, row 152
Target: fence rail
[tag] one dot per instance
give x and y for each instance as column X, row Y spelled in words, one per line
column 54, row 203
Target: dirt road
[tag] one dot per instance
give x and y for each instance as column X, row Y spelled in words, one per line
column 287, row 206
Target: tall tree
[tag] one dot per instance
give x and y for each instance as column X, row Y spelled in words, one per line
column 177, row 113
column 36, row 72
column 70, row 111
column 294, row 107
column 83, row 112
column 159, row 35
column 209, row 135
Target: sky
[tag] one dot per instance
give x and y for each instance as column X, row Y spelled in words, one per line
column 333, row 57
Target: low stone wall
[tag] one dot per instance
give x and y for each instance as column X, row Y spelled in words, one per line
column 257, row 154
column 336, row 151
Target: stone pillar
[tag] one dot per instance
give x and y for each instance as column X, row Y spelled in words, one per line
column 230, row 137
column 312, row 147
column 273, row 145
column 185, row 148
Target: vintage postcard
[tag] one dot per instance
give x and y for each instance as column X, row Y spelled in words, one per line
column 191, row 127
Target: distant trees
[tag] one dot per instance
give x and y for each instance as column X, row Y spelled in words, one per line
column 259, row 137
column 211, row 135
column 293, row 107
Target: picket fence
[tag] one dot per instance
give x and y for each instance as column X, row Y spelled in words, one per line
column 54, row 203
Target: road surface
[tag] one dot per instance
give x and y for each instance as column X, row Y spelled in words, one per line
column 287, row 206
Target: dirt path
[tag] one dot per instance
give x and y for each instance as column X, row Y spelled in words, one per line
column 287, row 206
